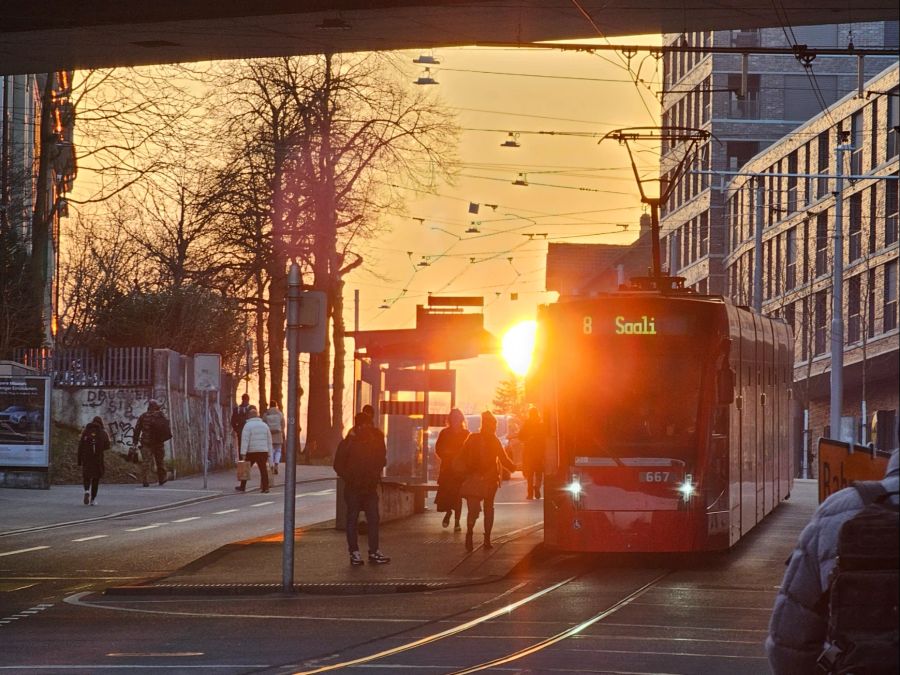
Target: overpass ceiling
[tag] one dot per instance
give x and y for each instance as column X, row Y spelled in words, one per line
column 44, row 35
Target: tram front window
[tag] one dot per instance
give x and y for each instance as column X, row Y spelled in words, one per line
column 633, row 402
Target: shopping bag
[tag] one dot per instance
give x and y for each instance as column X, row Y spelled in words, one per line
column 243, row 470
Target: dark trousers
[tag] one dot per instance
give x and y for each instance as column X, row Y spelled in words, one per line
column 92, row 483
column 261, row 459
column 153, row 453
column 473, row 508
column 368, row 503
column 534, row 477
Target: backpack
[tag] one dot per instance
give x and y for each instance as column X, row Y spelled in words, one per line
column 157, row 429
column 862, row 636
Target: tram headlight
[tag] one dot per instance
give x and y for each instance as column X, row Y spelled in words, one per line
column 574, row 488
column 687, row 487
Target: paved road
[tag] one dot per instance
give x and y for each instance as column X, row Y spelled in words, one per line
column 556, row 613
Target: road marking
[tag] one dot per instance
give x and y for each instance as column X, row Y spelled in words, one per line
column 94, row 667
column 13, row 587
column 253, row 506
column 330, row 491
column 145, row 527
column 23, row 550
column 96, row 536
column 163, row 654
column 222, row 513
column 184, row 520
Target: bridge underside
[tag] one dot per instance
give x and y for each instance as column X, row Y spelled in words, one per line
column 52, row 34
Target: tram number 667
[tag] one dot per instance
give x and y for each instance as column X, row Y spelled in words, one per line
column 654, row 476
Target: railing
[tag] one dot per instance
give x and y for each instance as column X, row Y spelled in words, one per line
column 111, row 367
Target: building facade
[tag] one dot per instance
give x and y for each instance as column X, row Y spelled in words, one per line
column 707, row 91
column 794, row 217
column 37, row 169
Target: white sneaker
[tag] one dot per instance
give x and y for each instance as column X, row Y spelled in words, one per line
column 93, row 502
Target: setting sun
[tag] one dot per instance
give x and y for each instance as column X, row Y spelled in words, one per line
column 518, row 345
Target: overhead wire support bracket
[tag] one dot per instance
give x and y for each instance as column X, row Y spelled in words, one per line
column 691, row 137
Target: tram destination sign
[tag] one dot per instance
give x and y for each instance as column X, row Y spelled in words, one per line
column 636, row 324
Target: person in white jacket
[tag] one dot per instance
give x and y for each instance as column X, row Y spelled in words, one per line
column 256, row 443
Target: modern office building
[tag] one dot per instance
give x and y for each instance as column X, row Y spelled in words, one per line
column 37, row 169
column 795, row 220
column 744, row 116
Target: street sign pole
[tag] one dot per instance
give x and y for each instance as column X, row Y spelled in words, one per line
column 290, row 468
column 205, row 438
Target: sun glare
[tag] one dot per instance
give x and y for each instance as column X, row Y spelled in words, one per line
column 518, row 346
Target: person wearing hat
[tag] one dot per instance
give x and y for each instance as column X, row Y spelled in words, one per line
column 150, row 433
column 93, row 443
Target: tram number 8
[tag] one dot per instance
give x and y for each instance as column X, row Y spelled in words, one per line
column 655, row 476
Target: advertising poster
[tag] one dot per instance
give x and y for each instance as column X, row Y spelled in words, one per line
column 24, row 421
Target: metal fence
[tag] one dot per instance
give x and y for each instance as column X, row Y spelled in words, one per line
column 111, row 367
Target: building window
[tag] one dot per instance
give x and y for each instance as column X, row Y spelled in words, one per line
column 893, row 121
column 804, row 330
column 822, row 164
column 790, row 315
column 768, row 267
column 800, row 97
column 743, row 107
column 792, row 188
column 856, row 140
column 854, row 246
column 890, row 296
column 805, row 257
column 854, row 288
column 745, row 38
column 890, row 211
column 870, row 309
column 873, row 136
column 790, row 255
column 873, row 219
column 821, row 243
column 821, row 318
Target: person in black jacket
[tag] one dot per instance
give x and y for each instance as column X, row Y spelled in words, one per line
column 93, row 443
column 150, row 433
column 359, row 461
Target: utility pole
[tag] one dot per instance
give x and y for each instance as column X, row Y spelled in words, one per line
column 837, row 295
column 290, row 462
column 758, row 247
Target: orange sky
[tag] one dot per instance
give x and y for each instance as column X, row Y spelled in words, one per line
column 578, row 191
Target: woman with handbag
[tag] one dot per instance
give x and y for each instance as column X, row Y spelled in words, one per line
column 449, row 447
column 484, row 457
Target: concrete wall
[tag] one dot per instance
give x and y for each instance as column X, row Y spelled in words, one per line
column 120, row 407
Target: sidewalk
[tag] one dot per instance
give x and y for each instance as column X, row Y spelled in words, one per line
column 24, row 510
column 425, row 556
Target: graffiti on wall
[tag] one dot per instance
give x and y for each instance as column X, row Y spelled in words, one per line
column 121, row 432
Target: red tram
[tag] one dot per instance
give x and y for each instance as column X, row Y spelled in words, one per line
column 667, row 417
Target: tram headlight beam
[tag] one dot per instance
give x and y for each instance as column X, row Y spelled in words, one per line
column 687, row 488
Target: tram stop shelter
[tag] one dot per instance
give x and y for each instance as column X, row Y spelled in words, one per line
column 394, row 374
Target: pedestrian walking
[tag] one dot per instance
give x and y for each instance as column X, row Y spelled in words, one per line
column 533, row 438
column 256, row 440
column 359, row 460
column 448, row 448
column 801, row 619
column 93, row 443
column 150, row 433
column 239, row 418
column 483, row 461
column 274, row 418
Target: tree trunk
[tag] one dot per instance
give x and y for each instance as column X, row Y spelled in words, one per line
column 260, row 313
column 318, row 422
column 276, row 325
column 340, row 352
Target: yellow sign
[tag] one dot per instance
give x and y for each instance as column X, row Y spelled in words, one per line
column 646, row 326
column 842, row 463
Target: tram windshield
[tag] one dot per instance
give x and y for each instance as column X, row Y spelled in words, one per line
column 631, row 398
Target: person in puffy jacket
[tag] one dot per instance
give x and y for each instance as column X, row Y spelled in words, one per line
column 274, row 418
column 798, row 626
column 256, row 443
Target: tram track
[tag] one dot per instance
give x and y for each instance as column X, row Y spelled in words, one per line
column 504, row 611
